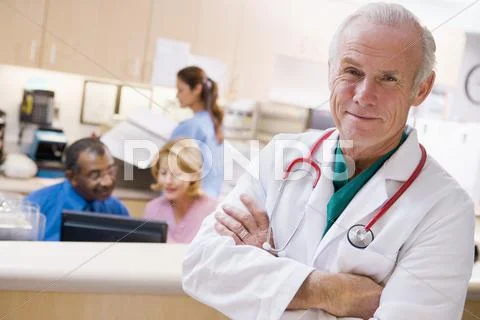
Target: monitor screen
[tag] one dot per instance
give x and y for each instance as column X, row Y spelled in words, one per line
column 100, row 227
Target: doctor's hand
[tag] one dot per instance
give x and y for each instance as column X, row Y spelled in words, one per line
column 245, row 227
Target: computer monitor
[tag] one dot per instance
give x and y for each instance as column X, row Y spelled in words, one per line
column 99, row 227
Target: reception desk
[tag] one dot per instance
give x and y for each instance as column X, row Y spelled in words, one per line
column 103, row 281
column 94, row 281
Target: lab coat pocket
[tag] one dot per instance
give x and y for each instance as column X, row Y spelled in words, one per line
column 367, row 262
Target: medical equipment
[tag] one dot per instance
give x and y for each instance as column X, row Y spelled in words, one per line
column 358, row 235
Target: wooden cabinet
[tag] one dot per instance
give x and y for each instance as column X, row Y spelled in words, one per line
column 177, row 20
column 22, row 305
column 21, row 23
column 99, row 38
column 210, row 26
column 307, row 20
column 116, row 38
column 300, row 29
column 263, row 29
column 218, row 32
column 312, row 26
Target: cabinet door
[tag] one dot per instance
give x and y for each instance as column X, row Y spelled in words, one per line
column 99, row 38
column 176, row 20
column 296, row 28
column 21, row 23
column 263, row 29
column 218, row 32
column 313, row 24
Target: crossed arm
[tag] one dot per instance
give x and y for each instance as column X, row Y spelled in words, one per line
column 428, row 282
column 342, row 295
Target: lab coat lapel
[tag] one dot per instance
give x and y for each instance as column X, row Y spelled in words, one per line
column 370, row 198
column 401, row 165
column 316, row 208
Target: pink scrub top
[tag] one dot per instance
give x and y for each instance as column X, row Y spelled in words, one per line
column 185, row 230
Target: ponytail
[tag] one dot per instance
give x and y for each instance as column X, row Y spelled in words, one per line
column 210, row 96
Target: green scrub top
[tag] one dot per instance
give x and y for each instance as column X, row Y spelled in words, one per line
column 346, row 189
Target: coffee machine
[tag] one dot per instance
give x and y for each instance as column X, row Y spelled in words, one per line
column 43, row 143
column 36, row 110
column 37, row 107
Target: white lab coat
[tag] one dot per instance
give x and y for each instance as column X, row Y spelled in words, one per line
column 422, row 251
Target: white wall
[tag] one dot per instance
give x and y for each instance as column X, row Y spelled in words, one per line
column 68, row 97
column 455, row 146
column 310, row 25
column 462, row 109
column 68, row 90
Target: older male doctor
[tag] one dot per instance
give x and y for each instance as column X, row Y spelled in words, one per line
column 385, row 232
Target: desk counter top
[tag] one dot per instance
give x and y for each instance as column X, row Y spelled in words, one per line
column 474, row 285
column 134, row 268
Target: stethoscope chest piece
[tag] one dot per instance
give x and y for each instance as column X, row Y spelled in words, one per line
column 359, row 236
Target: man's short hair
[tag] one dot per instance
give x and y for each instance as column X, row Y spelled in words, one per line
column 394, row 15
column 90, row 145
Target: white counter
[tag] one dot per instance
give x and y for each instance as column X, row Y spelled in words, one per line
column 105, row 268
column 91, row 267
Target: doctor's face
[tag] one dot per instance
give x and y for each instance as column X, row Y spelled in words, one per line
column 372, row 80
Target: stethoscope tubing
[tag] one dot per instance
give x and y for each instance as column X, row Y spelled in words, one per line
column 293, row 163
column 387, row 205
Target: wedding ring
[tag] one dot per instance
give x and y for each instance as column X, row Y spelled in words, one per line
column 242, row 235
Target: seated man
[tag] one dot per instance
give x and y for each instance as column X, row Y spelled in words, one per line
column 91, row 174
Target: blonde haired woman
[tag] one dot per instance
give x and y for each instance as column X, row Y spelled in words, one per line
column 183, row 204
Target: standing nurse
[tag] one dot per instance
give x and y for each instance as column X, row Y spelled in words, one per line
column 199, row 93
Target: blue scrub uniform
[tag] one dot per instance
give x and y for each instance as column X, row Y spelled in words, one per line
column 62, row 196
column 202, row 129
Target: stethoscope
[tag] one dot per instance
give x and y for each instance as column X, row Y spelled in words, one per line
column 359, row 235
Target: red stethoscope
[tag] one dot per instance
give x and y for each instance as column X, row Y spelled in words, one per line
column 359, row 235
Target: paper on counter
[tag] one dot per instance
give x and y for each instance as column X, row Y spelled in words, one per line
column 154, row 122
column 137, row 140
column 14, row 226
column 14, row 220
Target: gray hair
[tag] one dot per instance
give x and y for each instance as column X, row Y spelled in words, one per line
column 393, row 15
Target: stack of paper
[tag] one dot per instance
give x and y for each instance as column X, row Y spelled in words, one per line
column 138, row 139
